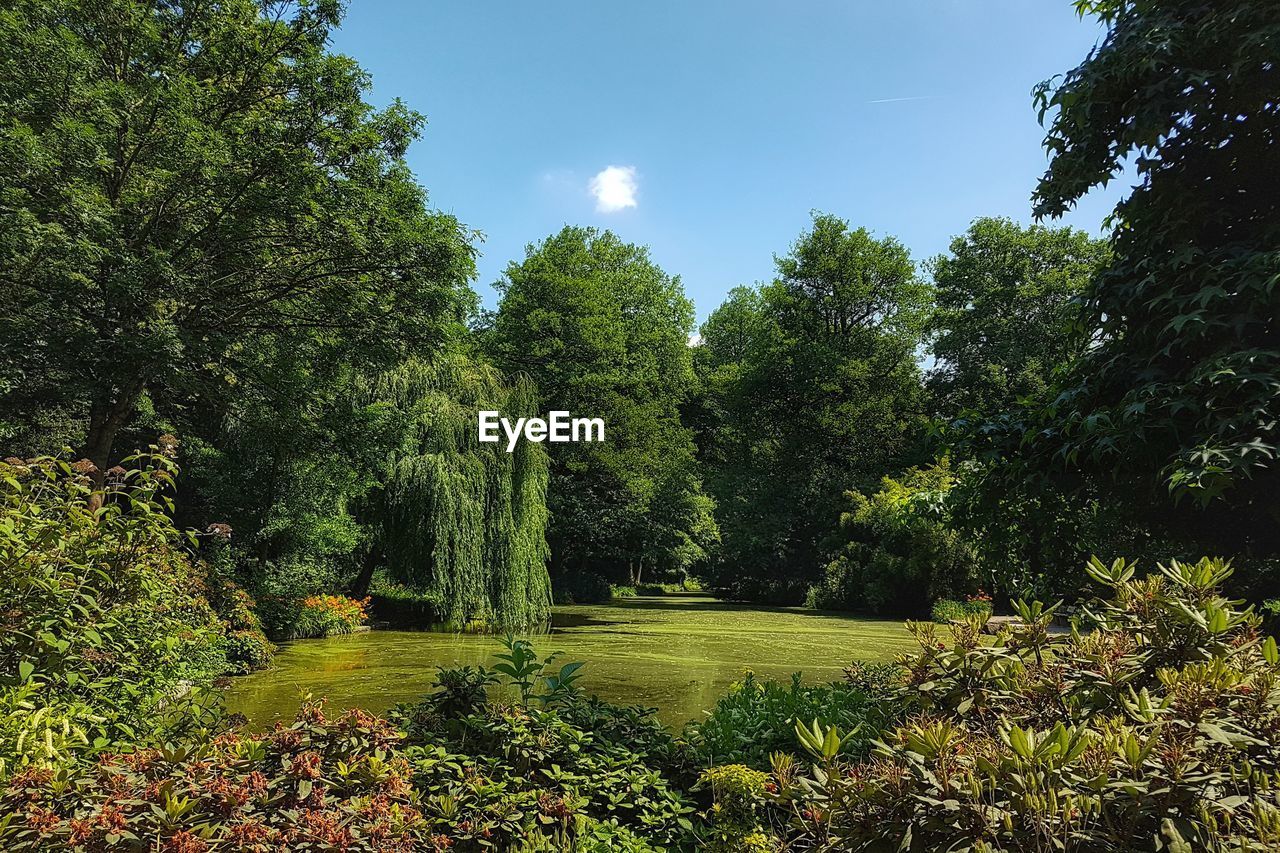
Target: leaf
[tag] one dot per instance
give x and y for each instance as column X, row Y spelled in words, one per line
column 1173, row 838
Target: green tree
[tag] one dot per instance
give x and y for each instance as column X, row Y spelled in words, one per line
column 462, row 521
column 901, row 551
column 187, row 184
column 603, row 332
column 810, row 385
column 1167, row 421
column 1006, row 303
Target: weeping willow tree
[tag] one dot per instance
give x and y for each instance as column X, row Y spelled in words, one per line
column 463, row 521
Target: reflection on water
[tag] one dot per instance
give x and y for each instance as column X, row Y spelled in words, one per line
column 677, row 653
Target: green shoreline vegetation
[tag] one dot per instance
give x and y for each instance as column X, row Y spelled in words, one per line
column 241, row 366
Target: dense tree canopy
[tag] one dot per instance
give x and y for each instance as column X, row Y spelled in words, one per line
column 812, row 388
column 603, row 332
column 1175, row 404
column 185, row 185
column 1006, row 304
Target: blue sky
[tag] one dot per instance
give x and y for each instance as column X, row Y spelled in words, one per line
column 728, row 121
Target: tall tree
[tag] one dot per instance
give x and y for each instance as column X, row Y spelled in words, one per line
column 603, row 332
column 1173, row 408
column 464, row 521
column 812, row 389
column 183, row 180
column 1006, row 302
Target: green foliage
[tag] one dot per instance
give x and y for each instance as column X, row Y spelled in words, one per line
column 247, row 651
column 318, row 784
column 525, row 672
column 757, row 718
column 1173, row 406
column 901, row 550
column 583, row 588
column 738, row 793
column 947, row 610
column 1006, row 303
column 247, row 647
column 1155, row 729
column 569, row 770
column 192, row 191
column 810, row 386
column 515, row 771
column 602, row 332
column 107, row 636
column 462, row 521
column 460, row 691
column 403, row 606
column 622, row 591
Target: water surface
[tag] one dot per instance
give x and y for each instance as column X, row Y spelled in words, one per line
column 677, row 653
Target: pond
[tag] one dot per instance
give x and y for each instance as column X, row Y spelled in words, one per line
column 677, row 653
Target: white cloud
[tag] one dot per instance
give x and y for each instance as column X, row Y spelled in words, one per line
column 695, row 339
column 614, row 188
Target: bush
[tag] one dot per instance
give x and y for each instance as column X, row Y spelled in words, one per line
column 552, row 763
column 247, row 646
column 901, row 551
column 248, row 651
column 946, row 610
column 757, row 718
column 314, row 616
column 404, row 607
column 654, row 588
column 319, row 784
column 1158, row 729
column 107, row 636
column 622, row 591
column 738, row 794
column 583, row 588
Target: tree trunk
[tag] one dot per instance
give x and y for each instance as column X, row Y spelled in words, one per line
column 106, row 417
column 360, row 586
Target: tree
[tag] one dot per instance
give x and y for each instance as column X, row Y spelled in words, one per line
column 901, row 552
column 811, row 388
column 1006, row 303
column 185, row 184
column 603, row 332
column 463, row 521
column 1168, row 418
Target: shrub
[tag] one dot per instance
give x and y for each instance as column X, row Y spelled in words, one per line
column 1158, row 729
column 314, row 616
column 654, row 588
column 319, row 784
column 248, row 651
column 247, row 646
column 573, row 770
column 583, row 588
column 946, row 610
column 404, row 606
column 622, row 591
column 901, row 551
column 738, row 794
column 757, row 718
column 107, row 636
